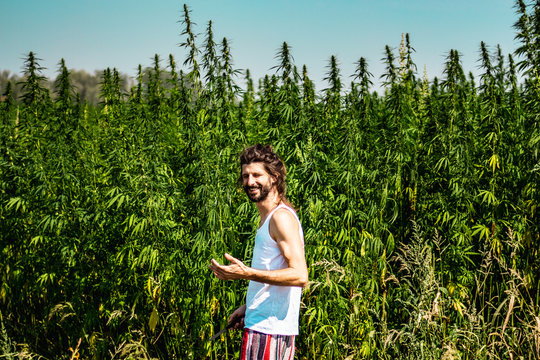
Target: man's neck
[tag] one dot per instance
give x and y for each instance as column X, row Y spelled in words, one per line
column 268, row 204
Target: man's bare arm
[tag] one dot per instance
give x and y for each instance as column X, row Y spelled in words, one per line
column 284, row 229
column 237, row 317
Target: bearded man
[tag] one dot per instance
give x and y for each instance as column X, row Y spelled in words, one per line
column 278, row 269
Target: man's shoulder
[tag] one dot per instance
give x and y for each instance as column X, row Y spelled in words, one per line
column 284, row 218
column 284, row 212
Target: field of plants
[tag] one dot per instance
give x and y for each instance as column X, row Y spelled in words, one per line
column 419, row 204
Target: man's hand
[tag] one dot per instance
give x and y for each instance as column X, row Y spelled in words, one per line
column 236, row 320
column 236, row 270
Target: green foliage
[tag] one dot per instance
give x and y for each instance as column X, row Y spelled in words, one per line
column 419, row 205
column 34, row 91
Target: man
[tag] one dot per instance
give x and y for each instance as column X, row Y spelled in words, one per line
column 278, row 268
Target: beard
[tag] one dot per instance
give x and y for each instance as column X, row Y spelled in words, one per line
column 263, row 192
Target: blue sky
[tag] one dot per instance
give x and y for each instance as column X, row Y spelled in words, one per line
column 123, row 34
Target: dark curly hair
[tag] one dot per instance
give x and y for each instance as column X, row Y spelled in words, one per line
column 272, row 164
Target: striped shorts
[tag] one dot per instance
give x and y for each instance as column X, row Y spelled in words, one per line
column 259, row 346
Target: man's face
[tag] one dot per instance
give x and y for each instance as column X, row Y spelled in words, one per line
column 256, row 181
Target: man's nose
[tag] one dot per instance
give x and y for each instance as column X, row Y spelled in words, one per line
column 251, row 180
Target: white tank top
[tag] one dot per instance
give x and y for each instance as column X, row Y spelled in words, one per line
column 272, row 309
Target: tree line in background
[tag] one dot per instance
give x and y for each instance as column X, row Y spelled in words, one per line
column 85, row 85
column 419, row 204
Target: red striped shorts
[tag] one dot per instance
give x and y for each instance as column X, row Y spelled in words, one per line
column 259, row 346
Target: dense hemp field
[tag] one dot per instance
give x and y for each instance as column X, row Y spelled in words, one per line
column 419, row 204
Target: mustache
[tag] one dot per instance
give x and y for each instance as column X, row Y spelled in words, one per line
column 252, row 187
